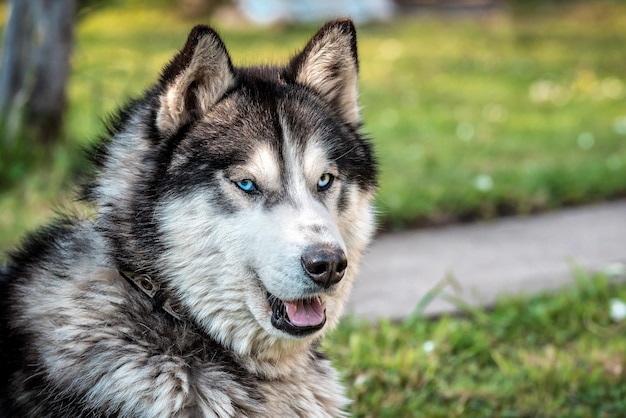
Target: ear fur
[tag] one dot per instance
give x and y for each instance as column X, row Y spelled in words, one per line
column 329, row 65
column 194, row 80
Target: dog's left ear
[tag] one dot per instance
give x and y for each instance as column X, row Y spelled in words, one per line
column 195, row 79
column 329, row 65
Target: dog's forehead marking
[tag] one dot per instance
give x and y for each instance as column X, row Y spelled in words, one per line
column 265, row 167
column 304, row 152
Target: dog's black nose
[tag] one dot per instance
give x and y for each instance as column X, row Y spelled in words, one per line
column 324, row 265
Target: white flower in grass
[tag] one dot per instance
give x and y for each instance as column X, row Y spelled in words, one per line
column 361, row 379
column 619, row 125
column 483, row 182
column 428, row 347
column 465, row 131
column 586, row 141
column 618, row 310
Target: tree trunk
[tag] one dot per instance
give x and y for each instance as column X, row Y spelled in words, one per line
column 35, row 67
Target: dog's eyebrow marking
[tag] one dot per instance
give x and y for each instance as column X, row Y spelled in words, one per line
column 265, row 167
column 316, row 159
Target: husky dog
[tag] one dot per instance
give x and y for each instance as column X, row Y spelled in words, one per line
column 231, row 209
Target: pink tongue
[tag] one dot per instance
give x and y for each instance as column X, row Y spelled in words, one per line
column 305, row 313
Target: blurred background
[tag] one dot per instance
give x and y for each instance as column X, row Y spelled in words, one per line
column 478, row 109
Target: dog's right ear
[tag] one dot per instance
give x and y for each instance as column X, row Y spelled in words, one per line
column 195, row 79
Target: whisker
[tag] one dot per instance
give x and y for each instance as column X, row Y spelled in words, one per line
column 346, row 153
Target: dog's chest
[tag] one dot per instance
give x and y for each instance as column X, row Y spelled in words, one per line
column 219, row 390
column 126, row 358
column 307, row 394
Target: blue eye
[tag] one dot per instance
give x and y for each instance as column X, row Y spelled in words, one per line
column 246, row 185
column 325, row 181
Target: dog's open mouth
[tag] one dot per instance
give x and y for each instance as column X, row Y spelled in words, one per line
column 300, row 317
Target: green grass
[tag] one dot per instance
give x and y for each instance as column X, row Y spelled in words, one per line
column 502, row 115
column 552, row 355
column 472, row 118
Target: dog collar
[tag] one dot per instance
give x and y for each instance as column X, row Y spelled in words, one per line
column 150, row 288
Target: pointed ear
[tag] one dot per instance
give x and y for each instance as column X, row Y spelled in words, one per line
column 329, row 65
column 194, row 80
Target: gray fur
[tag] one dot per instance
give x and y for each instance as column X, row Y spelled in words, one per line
column 79, row 338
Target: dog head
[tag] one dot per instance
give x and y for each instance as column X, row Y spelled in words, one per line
column 248, row 191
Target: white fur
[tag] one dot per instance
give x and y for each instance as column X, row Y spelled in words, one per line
column 221, row 265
